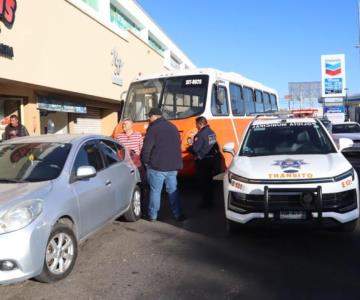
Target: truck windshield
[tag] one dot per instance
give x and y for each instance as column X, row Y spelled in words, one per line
column 286, row 138
column 178, row 97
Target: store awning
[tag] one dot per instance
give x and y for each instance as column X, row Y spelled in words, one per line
column 53, row 104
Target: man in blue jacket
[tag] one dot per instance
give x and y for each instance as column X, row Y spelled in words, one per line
column 161, row 154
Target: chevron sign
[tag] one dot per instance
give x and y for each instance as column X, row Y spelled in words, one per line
column 333, row 69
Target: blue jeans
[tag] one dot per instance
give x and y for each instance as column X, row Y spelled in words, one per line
column 156, row 181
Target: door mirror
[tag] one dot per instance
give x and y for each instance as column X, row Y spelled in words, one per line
column 229, row 148
column 345, row 143
column 85, row 172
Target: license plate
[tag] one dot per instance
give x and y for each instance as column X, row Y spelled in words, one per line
column 292, row 215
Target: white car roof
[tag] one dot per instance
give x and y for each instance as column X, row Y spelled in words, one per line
column 279, row 120
column 346, row 123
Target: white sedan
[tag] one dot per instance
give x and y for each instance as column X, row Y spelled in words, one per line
column 350, row 130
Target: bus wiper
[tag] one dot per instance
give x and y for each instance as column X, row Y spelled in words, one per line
column 7, row 180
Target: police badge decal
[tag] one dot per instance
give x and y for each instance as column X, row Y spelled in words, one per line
column 290, row 165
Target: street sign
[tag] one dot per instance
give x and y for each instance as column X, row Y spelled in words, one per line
column 334, row 100
column 334, row 109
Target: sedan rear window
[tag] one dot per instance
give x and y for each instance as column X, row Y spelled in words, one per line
column 346, row 128
column 32, row 161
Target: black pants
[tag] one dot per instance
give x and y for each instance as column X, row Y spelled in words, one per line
column 205, row 170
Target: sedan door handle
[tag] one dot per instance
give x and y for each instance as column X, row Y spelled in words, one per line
column 108, row 183
column 132, row 171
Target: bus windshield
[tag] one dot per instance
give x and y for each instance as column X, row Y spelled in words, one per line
column 178, row 97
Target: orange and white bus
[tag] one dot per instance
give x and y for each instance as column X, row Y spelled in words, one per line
column 228, row 101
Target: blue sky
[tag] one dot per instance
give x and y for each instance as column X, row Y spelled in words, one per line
column 271, row 41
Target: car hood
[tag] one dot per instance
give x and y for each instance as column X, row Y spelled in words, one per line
column 11, row 193
column 352, row 136
column 290, row 166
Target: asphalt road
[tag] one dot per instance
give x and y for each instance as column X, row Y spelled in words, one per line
column 196, row 259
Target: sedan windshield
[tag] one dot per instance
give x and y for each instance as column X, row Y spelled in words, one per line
column 32, row 161
column 177, row 97
column 286, row 138
column 346, row 128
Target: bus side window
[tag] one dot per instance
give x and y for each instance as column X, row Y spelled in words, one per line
column 219, row 101
column 273, row 102
column 267, row 102
column 249, row 100
column 259, row 105
column 237, row 102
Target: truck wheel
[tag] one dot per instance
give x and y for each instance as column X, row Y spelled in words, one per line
column 232, row 227
column 349, row 226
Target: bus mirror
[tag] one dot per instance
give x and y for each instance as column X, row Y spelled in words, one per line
column 123, row 96
column 220, row 95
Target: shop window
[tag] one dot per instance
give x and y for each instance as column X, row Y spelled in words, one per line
column 92, row 3
column 175, row 63
column 155, row 45
column 121, row 20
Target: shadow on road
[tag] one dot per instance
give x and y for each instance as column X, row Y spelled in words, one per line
column 276, row 263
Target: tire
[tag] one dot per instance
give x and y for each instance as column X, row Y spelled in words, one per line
column 232, row 227
column 58, row 263
column 349, row 226
column 134, row 212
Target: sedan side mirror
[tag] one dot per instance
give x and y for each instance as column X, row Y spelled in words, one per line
column 229, row 148
column 345, row 143
column 85, row 172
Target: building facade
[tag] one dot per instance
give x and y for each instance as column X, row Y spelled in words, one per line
column 68, row 63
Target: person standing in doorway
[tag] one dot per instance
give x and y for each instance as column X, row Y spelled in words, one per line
column 207, row 159
column 14, row 129
column 161, row 155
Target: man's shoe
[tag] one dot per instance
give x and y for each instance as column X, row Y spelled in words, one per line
column 150, row 220
column 180, row 218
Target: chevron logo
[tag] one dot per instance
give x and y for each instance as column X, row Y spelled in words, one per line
column 333, row 69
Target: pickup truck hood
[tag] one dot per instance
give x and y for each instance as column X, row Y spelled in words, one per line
column 290, row 166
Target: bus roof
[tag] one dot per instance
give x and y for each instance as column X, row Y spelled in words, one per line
column 229, row 76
